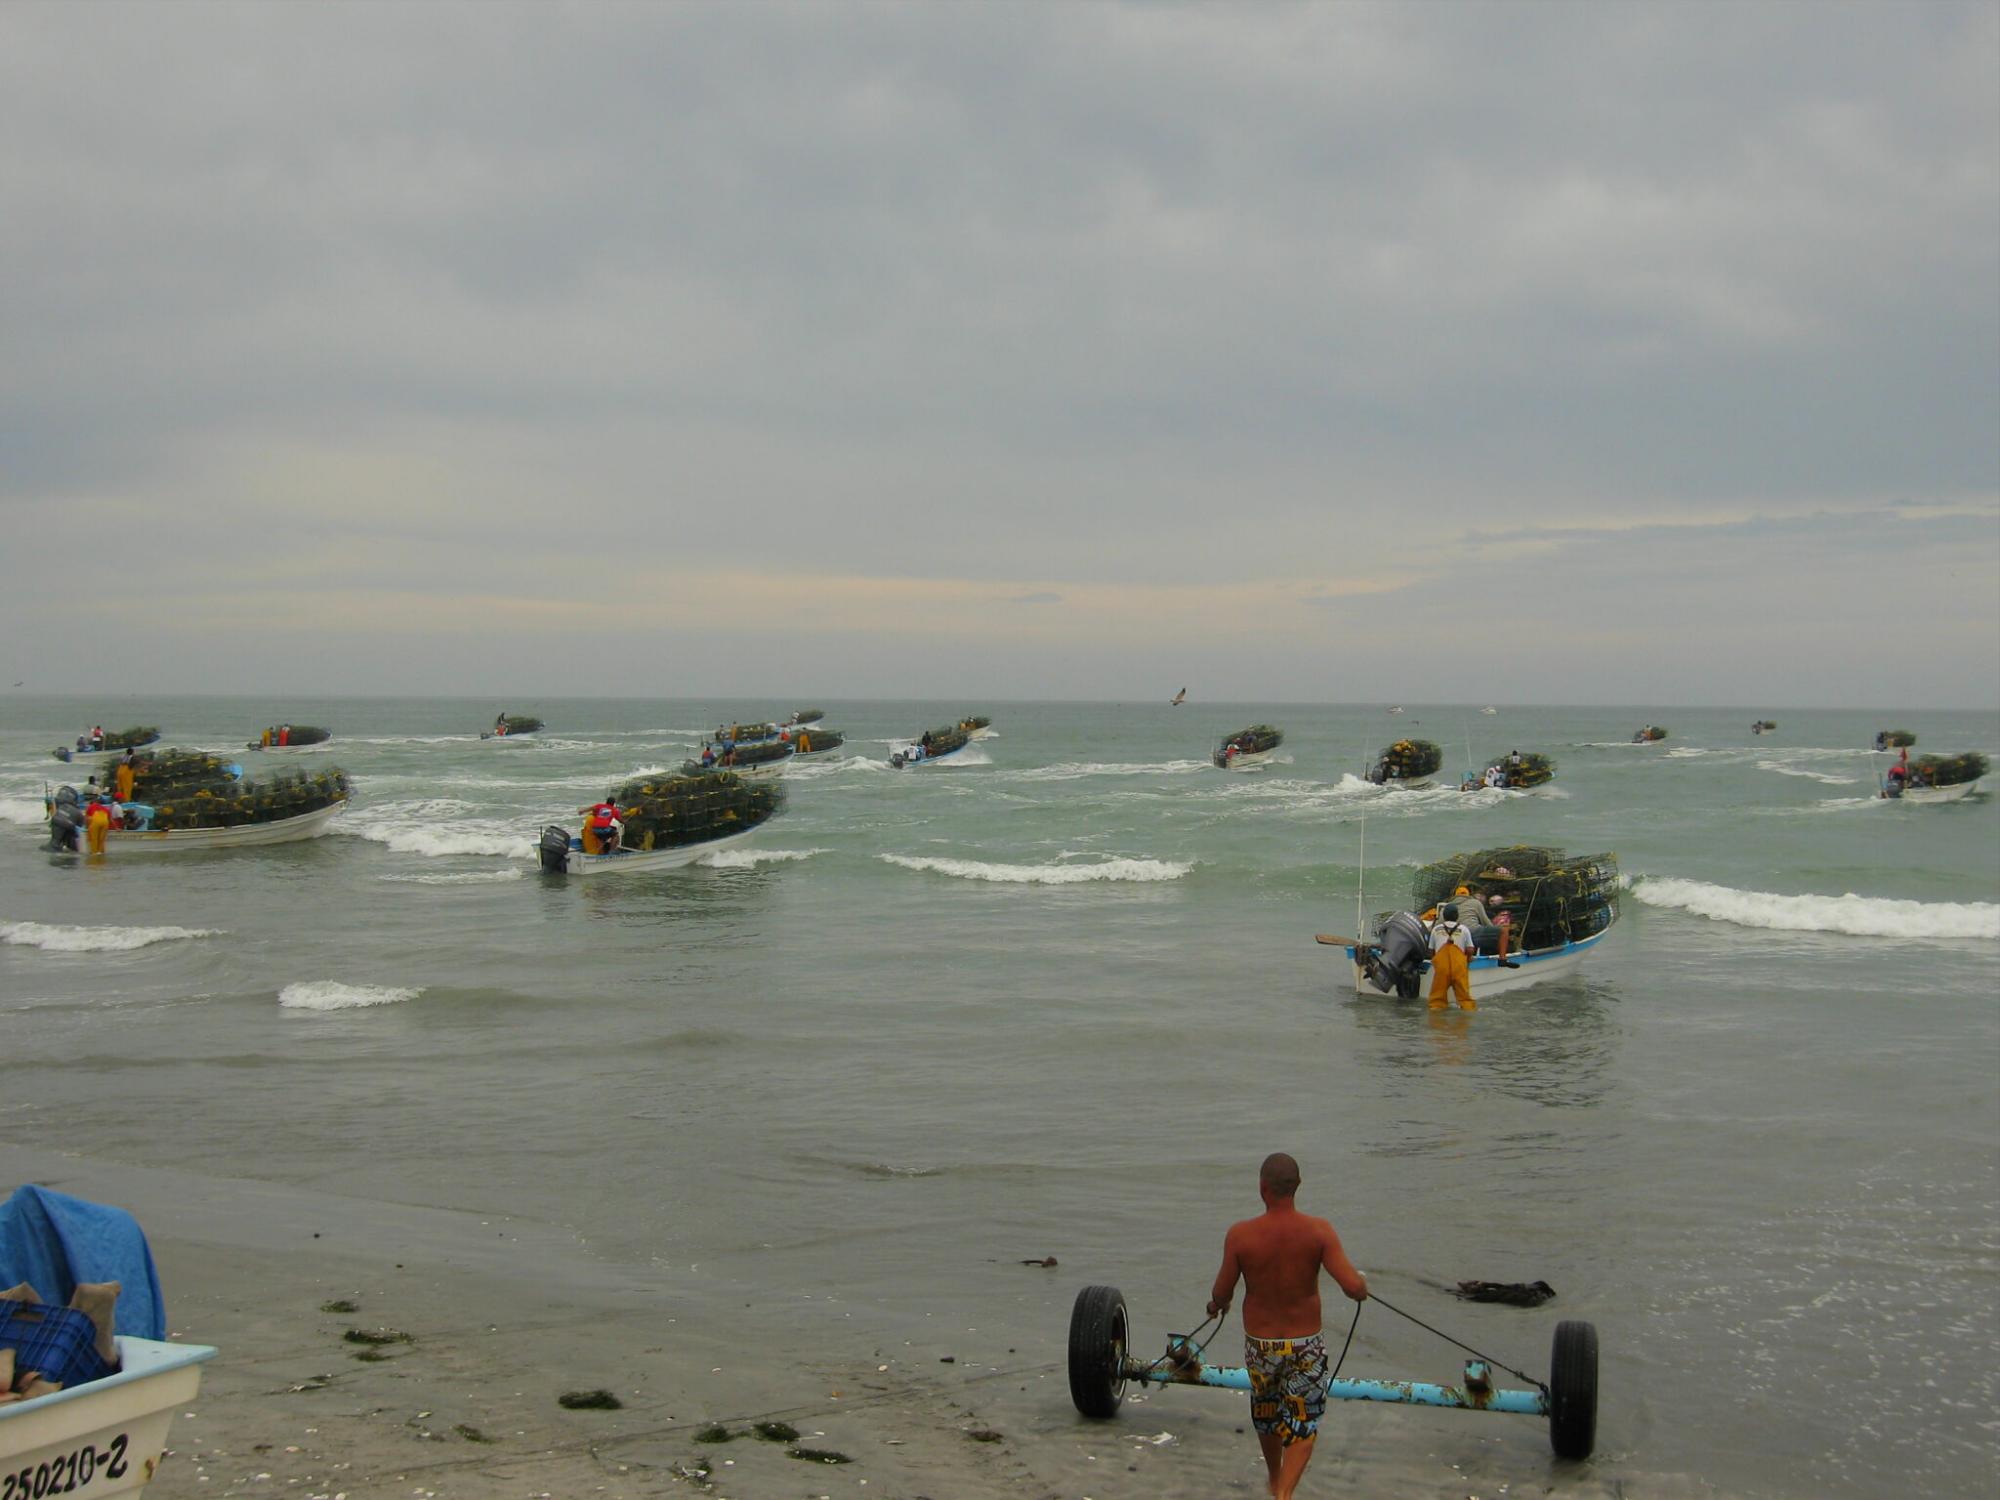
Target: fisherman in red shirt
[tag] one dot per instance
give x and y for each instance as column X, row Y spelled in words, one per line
column 603, row 826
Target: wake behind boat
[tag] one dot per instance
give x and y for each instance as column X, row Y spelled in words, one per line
column 661, row 823
column 1555, row 908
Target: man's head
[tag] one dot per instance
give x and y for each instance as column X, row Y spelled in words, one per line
column 1278, row 1177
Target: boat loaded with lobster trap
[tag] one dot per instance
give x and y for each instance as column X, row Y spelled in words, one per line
column 1408, row 764
column 185, row 799
column 1102, row 1365
column 933, row 744
column 1558, row 908
column 1248, row 749
column 668, row 821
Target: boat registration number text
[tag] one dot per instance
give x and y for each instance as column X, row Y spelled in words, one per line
column 68, row 1472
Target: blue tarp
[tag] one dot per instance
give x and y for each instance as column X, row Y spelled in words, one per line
column 52, row 1241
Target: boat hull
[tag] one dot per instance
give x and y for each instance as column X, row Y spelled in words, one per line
column 73, row 757
column 310, row 825
column 1487, row 978
column 1956, row 793
column 104, row 1438
column 1407, row 784
column 638, row 861
column 1256, row 760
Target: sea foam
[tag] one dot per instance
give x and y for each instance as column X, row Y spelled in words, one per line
column 1111, row 869
column 1856, row 916
column 743, row 859
column 328, row 994
column 54, row 938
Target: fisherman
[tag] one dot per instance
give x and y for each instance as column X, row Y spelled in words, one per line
column 1451, row 946
column 127, row 773
column 602, row 827
column 97, row 737
column 1484, row 929
column 500, row 725
column 1278, row 1256
column 1514, row 764
column 1496, row 778
column 264, row 741
column 97, row 821
column 284, row 734
column 707, row 755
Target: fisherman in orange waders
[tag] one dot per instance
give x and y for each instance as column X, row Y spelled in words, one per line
column 1451, row 946
column 96, row 824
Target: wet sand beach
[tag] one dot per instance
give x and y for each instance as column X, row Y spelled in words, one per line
column 484, row 1324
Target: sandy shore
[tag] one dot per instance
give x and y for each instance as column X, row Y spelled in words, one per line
column 489, row 1322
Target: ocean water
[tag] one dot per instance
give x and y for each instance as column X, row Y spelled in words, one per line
column 1059, row 994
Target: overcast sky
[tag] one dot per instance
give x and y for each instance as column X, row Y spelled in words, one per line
column 1492, row 352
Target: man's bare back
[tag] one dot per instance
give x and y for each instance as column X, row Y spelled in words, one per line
column 1279, row 1255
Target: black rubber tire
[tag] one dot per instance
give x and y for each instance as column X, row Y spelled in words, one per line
column 1097, row 1339
column 1573, row 1390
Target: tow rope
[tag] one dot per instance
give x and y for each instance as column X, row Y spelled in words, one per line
column 1541, row 1386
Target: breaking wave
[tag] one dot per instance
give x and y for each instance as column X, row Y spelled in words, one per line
column 1821, row 776
column 743, row 859
column 423, row 828
column 328, row 994
column 22, row 810
column 1856, row 916
column 469, row 877
column 1143, row 870
column 54, row 938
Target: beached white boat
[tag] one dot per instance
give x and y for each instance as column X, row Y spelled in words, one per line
column 307, row 825
column 103, row 1438
column 573, row 861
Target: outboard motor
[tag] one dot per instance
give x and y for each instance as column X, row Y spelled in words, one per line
column 898, row 760
column 554, row 849
column 66, row 823
column 1401, row 949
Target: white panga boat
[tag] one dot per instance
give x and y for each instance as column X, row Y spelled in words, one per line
column 1486, row 977
column 114, row 746
column 1936, row 778
column 1407, row 765
column 977, row 726
column 1559, row 906
column 933, row 745
column 570, row 859
column 105, row 1437
column 1248, row 749
column 306, row 825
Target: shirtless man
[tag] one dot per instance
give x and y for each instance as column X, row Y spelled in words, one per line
column 1279, row 1255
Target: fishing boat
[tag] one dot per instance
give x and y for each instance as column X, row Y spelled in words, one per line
column 805, row 716
column 107, row 1436
column 1248, row 749
column 1894, row 739
column 1560, row 906
column 281, row 737
column 1407, row 765
column 815, row 741
column 1936, row 778
column 507, row 726
column 1517, row 771
column 1763, row 726
column 1652, row 734
column 758, row 759
column 91, row 749
column 668, row 822
column 1489, row 709
column 184, row 800
column 933, row 745
column 977, row 727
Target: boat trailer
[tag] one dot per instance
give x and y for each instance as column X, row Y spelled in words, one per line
column 1101, row 1365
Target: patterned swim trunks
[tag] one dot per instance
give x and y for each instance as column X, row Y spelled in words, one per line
column 1287, row 1385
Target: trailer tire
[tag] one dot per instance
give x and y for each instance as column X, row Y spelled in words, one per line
column 1573, row 1390
column 1097, row 1339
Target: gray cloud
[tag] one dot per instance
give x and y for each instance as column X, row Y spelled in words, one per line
column 442, row 298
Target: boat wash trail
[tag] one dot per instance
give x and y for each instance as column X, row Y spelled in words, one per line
column 1058, row 993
